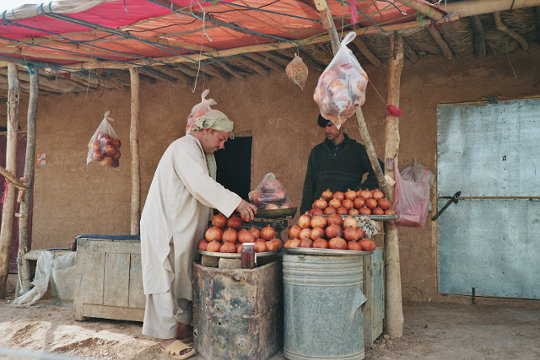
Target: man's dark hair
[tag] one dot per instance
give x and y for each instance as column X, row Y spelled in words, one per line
column 322, row 122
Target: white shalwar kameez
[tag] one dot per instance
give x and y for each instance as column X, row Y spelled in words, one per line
column 174, row 218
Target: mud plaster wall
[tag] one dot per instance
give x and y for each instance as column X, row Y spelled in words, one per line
column 72, row 198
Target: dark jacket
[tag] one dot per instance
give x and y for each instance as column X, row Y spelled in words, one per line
column 337, row 173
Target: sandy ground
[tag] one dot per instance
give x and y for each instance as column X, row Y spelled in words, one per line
column 431, row 332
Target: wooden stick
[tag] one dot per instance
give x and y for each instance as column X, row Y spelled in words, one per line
column 370, row 56
column 19, row 185
column 29, row 165
column 8, row 209
column 259, row 69
column 134, row 147
column 479, row 7
column 479, row 36
column 424, row 8
column 501, row 27
column 394, row 306
column 436, row 35
column 409, row 52
column 266, row 61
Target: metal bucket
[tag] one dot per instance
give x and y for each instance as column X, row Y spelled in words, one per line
column 322, row 307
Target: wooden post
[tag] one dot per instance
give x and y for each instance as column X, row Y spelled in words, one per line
column 134, row 147
column 8, row 210
column 394, row 306
column 29, row 162
column 326, row 17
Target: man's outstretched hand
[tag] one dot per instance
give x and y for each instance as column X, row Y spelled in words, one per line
column 246, row 210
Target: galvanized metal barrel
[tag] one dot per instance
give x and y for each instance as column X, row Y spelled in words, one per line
column 322, row 307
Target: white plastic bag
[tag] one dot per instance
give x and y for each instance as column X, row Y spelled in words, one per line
column 199, row 110
column 411, row 196
column 342, row 86
column 104, row 146
column 270, row 194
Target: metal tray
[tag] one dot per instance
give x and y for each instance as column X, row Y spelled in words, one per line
column 236, row 255
column 275, row 213
column 372, row 217
column 326, row 252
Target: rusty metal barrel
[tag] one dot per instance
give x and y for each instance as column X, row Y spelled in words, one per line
column 322, row 299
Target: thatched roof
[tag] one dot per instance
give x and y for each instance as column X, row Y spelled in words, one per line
column 497, row 33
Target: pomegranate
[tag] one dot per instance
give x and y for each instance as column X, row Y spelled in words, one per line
column 219, row 220
column 359, row 202
column 349, row 222
column 371, row 203
column 320, row 204
column 318, row 221
column 203, row 244
column 305, row 234
column 327, row 194
column 384, row 203
column 335, row 203
column 293, row 243
column 320, row 244
column 294, row 231
column 339, row 196
column 377, row 194
column 354, row 245
column 255, row 232
column 228, row 248
column 306, row 243
column 230, row 236
column 334, row 220
column 213, row 246
column 378, row 211
column 347, row 204
column 235, row 222
column 268, row 232
column 350, row 194
column 329, row 210
column 333, row 231
column 317, row 211
column 213, row 233
column 245, row 236
column 304, row 221
column 317, row 233
column 337, row 243
column 260, row 246
column 365, row 211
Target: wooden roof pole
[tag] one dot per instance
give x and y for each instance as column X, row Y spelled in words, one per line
column 8, row 210
column 326, row 17
column 134, row 147
column 29, row 165
column 393, row 297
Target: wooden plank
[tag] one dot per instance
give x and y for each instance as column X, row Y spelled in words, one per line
column 112, row 312
column 116, row 284
column 109, row 246
column 90, row 278
column 136, row 296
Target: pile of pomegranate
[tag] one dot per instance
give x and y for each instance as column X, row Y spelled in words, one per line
column 361, row 202
column 270, row 194
column 228, row 235
column 105, row 149
column 332, row 232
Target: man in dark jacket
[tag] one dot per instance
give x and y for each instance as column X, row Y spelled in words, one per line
column 338, row 163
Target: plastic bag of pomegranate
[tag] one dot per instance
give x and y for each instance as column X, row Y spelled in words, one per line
column 199, row 110
column 270, row 194
column 297, row 71
column 411, row 197
column 342, row 85
column 104, row 146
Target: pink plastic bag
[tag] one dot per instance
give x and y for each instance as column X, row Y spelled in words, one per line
column 411, row 197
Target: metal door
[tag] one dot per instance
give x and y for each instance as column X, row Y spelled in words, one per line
column 490, row 239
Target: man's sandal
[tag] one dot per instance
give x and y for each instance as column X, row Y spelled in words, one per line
column 175, row 349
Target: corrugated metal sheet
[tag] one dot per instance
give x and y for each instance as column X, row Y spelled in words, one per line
column 489, row 150
column 491, row 245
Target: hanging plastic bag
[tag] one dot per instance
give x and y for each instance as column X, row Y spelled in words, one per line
column 199, row 110
column 411, row 196
column 270, row 194
column 342, row 86
column 104, row 146
column 297, row 71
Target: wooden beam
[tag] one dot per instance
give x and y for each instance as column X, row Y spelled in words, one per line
column 8, row 209
column 479, row 7
column 227, row 68
column 424, row 8
column 55, row 85
column 311, row 61
column 253, row 48
column 153, row 73
column 259, row 69
column 503, row 28
column 29, row 165
column 134, row 147
column 368, row 54
column 479, row 36
column 208, row 69
column 409, row 52
column 393, row 295
column 265, row 60
column 436, row 35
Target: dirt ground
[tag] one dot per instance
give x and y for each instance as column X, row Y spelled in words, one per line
column 431, row 332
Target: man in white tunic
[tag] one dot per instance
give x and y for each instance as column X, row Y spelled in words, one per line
column 174, row 217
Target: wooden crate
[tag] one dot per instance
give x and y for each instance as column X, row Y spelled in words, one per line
column 238, row 313
column 374, row 291
column 109, row 280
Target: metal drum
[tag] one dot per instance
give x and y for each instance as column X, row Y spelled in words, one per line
column 323, row 307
